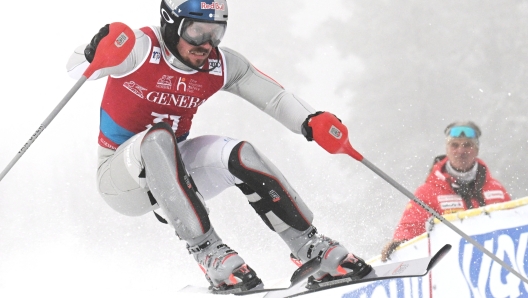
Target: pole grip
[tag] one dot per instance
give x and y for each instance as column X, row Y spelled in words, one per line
column 113, row 49
column 332, row 135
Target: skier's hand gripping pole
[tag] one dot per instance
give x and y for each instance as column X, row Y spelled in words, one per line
column 328, row 131
column 112, row 49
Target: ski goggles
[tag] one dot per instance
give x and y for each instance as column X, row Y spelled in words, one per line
column 462, row 131
column 197, row 33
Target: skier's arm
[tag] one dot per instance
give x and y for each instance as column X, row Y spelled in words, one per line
column 77, row 63
column 244, row 80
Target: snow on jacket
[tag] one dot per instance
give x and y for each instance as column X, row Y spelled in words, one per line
column 438, row 193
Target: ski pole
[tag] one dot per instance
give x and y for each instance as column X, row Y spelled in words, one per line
column 112, row 50
column 332, row 135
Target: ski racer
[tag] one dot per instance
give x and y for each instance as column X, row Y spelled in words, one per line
column 457, row 181
column 147, row 160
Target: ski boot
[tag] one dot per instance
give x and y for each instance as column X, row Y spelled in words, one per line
column 225, row 270
column 336, row 261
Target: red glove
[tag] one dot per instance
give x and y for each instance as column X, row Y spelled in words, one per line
column 327, row 130
column 114, row 42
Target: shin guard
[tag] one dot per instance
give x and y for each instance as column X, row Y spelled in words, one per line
column 276, row 200
column 171, row 185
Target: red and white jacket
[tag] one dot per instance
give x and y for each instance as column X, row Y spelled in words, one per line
column 438, row 194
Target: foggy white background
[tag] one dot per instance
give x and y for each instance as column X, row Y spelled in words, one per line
column 395, row 73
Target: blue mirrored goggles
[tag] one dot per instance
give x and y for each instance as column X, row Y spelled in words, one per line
column 197, row 33
column 462, row 131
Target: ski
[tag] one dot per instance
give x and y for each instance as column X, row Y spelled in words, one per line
column 410, row 268
column 405, row 269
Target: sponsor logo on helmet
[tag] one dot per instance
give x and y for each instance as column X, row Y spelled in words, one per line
column 121, row 39
column 171, row 4
column 166, row 16
column 214, row 5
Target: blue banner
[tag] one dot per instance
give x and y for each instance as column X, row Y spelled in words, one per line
column 486, row 278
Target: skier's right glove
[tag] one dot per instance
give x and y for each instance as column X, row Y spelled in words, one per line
column 389, row 249
column 89, row 51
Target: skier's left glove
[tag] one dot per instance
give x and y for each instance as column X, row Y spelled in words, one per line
column 316, row 119
column 89, row 51
column 328, row 132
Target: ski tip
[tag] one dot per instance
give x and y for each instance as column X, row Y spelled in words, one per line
column 438, row 256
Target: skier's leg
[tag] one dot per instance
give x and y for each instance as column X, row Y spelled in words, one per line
column 205, row 158
column 118, row 178
column 170, row 184
column 283, row 211
column 262, row 177
column 174, row 191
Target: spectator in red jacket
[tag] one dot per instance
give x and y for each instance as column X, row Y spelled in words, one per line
column 457, row 181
